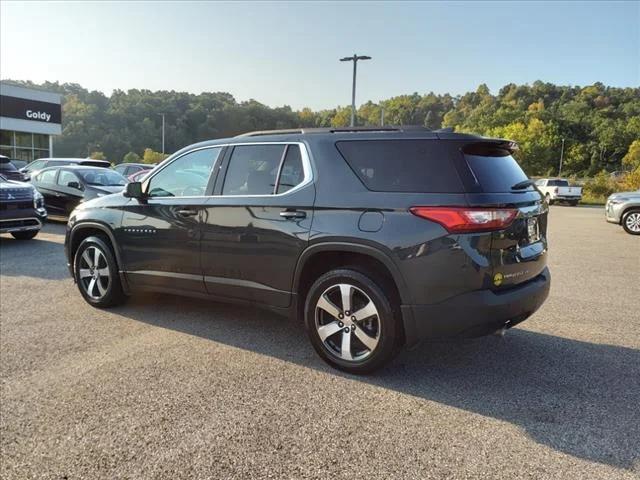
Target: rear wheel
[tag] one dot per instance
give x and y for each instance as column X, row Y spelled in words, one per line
column 351, row 321
column 25, row 235
column 96, row 273
column 631, row 221
column 573, row 203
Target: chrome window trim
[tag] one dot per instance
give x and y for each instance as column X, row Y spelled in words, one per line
column 306, row 167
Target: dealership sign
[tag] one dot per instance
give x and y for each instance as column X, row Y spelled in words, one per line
column 25, row 109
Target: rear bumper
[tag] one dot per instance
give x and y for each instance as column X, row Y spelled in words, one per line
column 475, row 313
column 567, row 198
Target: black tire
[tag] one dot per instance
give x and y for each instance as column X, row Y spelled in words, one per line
column 387, row 321
column 25, row 235
column 109, row 292
column 574, row 203
column 629, row 221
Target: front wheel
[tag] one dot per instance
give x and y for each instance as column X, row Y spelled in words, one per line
column 96, row 272
column 351, row 321
column 631, row 221
column 25, row 234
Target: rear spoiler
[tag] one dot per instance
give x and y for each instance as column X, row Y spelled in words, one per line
column 491, row 147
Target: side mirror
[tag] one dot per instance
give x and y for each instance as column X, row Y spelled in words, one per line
column 134, row 190
column 75, row 185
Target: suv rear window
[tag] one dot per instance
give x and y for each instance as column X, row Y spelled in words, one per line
column 494, row 168
column 402, row 165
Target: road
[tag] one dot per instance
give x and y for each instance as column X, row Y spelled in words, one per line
column 166, row 387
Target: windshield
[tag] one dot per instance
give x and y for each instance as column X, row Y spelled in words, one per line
column 102, row 177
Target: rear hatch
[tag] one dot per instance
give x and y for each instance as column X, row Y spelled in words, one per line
column 518, row 252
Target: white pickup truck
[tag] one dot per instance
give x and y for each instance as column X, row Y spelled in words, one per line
column 558, row 190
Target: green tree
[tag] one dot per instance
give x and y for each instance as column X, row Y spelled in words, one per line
column 131, row 157
column 632, row 158
column 151, row 156
column 97, row 156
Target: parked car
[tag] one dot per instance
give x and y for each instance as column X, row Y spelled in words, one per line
column 623, row 208
column 558, row 190
column 22, row 209
column 128, row 169
column 36, row 166
column 18, row 163
column 64, row 188
column 9, row 170
column 377, row 238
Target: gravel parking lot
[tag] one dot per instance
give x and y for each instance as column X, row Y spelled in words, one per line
column 166, row 387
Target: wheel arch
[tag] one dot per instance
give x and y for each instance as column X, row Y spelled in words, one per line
column 341, row 248
column 82, row 230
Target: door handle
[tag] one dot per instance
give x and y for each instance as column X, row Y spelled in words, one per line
column 293, row 214
column 186, row 212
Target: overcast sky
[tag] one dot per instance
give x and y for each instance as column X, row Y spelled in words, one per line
column 287, row 53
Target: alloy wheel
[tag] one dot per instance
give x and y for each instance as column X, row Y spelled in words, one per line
column 633, row 222
column 93, row 273
column 347, row 322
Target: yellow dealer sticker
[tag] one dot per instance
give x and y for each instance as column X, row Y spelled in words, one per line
column 497, row 279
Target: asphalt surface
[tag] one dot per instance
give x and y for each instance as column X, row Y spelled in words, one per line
column 166, row 387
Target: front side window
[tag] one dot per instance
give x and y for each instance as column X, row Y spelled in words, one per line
column 186, row 176
column 48, row 176
column 65, row 177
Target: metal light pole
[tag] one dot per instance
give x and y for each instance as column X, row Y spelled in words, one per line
column 162, row 115
column 561, row 157
column 382, row 115
column 354, row 59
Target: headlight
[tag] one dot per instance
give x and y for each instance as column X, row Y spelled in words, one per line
column 617, row 200
column 100, row 194
column 38, row 200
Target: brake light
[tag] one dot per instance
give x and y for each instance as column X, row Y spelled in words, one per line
column 466, row 220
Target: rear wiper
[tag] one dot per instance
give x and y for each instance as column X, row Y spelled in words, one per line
column 523, row 184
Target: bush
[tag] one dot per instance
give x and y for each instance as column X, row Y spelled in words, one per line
column 602, row 185
column 131, row 157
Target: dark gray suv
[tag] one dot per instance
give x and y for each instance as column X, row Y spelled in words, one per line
column 376, row 238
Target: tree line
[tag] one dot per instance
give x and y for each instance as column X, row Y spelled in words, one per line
column 598, row 123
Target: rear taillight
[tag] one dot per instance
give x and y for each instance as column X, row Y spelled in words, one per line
column 466, row 220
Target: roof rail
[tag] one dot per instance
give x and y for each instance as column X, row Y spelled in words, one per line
column 259, row 133
column 294, row 131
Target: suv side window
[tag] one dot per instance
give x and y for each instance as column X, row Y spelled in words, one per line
column 402, row 165
column 186, row 176
column 120, row 168
column 66, row 176
column 253, row 170
column 292, row 171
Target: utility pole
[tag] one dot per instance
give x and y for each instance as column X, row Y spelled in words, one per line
column 162, row 115
column 354, row 59
column 382, row 115
column 561, row 157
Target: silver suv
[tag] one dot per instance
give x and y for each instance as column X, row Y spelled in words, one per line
column 624, row 209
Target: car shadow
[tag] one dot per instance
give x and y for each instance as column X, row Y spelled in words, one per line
column 576, row 397
column 41, row 257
